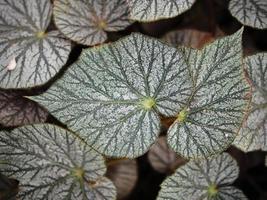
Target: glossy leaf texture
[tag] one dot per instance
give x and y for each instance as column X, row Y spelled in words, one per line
column 253, row 135
column 51, row 162
column 214, row 113
column 205, row 179
column 29, row 56
column 86, row 21
column 16, row 110
column 188, row 37
column 151, row 10
column 250, row 12
column 164, row 159
column 124, row 175
column 112, row 95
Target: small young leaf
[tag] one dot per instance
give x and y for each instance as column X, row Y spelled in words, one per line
column 85, row 21
column 28, row 55
column 16, row 110
column 203, row 179
column 52, row 163
column 213, row 115
column 151, row 10
column 250, row 12
column 113, row 94
column 123, row 174
column 188, row 37
column 162, row 158
column 253, row 136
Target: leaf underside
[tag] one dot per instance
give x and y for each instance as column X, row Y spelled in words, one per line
column 217, row 104
column 44, row 159
column 250, row 12
column 192, row 180
column 151, row 10
column 253, row 136
column 108, row 96
column 29, row 56
column 16, row 110
column 85, row 21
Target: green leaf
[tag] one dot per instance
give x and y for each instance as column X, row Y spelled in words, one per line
column 28, row 55
column 51, row 162
column 112, row 95
column 253, row 135
column 206, row 179
column 212, row 117
column 250, row 12
column 164, row 159
column 16, row 110
column 151, row 10
column 85, row 21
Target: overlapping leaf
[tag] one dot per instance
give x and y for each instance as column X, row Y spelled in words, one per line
column 212, row 117
column 16, row 110
column 151, row 10
column 204, row 179
column 123, row 174
column 253, row 136
column 85, row 21
column 164, row 159
column 111, row 96
column 52, row 163
column 28, row 55
column 250, row 12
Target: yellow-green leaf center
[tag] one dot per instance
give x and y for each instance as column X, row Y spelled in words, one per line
column 182, row 115
column 102, row 25
column 148, row 103
column 78, row 173
column 40, row 34
column 212, row 190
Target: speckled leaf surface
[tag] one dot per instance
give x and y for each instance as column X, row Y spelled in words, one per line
column 85, row 21
column 28, row 55
column 213, row 115
column 51, row 162
column 16, row 110
column 207, row 179
column 250, row 12
column 151, row 10
column 253, row 136
column 124, row 174
column 164, row 159
column 113, row 94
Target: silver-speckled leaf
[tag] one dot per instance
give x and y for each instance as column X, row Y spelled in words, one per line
column 52, row 163
column 164, row 159
column 188, row 37
column 151, row 10
column 16, row 110
column 212, row 117
column 113, row 94
column 85, row 21
column 207, row 179
column 123, row 174
column 253, row 136
column 28, row 55
column 250, row 12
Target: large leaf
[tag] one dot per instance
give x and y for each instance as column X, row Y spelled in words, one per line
column 253, row 136
column 28, row 55
column 250, row 12
column 204, row 179
column 85, row 21
column 16, row 110
column 151, row 10
column 52, row 163
column 111, row 96
column 212, row 117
